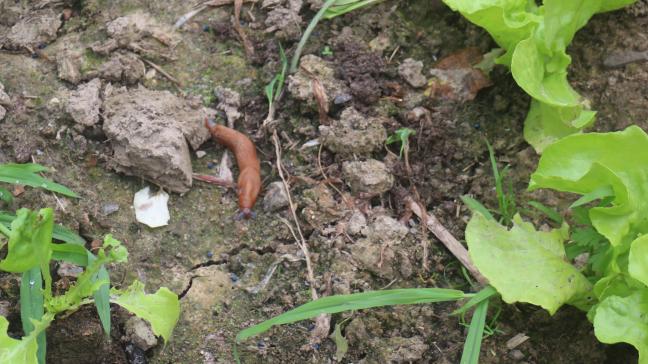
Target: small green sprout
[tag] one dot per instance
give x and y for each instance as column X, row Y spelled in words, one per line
column 274, row 88
column 505, row 198
column 401, row 135
column 327, row 51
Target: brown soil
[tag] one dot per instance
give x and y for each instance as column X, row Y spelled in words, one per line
column 210, row 259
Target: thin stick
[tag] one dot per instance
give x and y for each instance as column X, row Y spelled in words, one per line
column 323, row 321
column 455, row 247
column 214, row 180
column 163, row 72
column 59, row 203
column 301, row 241
column 214, row 3
column 393, row 54
column 185, row 18
column 424, row 240
column 249, row 49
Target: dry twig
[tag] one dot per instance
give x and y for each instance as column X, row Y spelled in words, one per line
column 424, row 240
column 322, row 100
column 199, row 8
column 322, row 322
column 319, row 93
column 249, row 49
column 163, row 72
column 300, row 239
column 450, row 242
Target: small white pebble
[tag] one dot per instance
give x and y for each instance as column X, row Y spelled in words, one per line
column 150, row 74
column 200, row 153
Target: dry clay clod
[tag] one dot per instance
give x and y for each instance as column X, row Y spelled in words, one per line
column 32, row 30
column 5, row 100
column 149, row 132
column 84, row 103
column 353, row 133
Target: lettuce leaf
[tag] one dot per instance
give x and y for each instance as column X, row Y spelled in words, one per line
column 16, row 351
column 546, row 123
column 29, row 241
column 638, row 259
column 587, row 162
column 613, row 166
column 536, row 270
column 21, row 351
column 161, row 309
column 536, row 39
column 507, row 21
column 624, row 319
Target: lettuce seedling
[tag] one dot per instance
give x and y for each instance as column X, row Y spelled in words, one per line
column 611, row 168
column 401, row 136
column 535, row 39
column 30, row 250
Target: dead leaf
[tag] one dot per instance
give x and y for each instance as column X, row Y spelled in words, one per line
column 18, row 190
column 322, row 100
column 456, row 78
column 341, row 343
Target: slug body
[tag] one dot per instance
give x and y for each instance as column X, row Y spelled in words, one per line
column 248, row 184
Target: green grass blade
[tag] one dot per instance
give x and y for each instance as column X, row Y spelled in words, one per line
column 357, row 301
column 5, row 195
column 27, row 167
column 64, row 234
column 599, row 193
column 472, row 345
column 31, row 306
column 499, row 188
column 60, row 232
column 25, row 174
column 102, row 295
column 274, row 88
column 269, row 89
column 282, row 75
column 551, row 213
column 484, row 294
column 475, row 205
column 309, row 29
column 342, row 7
column 102, row 299
column 71, row 253
column 6, row 219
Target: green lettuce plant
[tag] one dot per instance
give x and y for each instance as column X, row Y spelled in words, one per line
column 30, row 250
column 610, row 171
column 535, row 39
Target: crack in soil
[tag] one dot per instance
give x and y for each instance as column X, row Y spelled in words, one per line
column 233, row 252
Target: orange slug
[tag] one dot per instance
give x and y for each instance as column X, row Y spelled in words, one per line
column 248, row 184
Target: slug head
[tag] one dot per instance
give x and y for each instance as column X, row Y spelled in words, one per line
column 246, row 214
